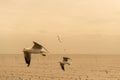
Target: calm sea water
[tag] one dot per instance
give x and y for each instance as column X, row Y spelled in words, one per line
column 53, row 58
column 90, row 67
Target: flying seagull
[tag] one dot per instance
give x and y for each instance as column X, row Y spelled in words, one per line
column 59, row 39
column 36, row 49
column 65, row 61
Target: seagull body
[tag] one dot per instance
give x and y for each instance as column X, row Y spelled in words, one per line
column 36, row 49
column 31, row 50
column 64, row 62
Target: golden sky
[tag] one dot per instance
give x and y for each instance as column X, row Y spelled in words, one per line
column 85, row 26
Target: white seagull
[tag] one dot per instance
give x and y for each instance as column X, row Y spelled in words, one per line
column 65, row 61
column 36, row 49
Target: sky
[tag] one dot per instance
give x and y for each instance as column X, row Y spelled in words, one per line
column 84, row 26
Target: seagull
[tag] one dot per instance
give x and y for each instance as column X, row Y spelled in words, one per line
column 36, row 49
column 65, row 61
column 59, row 39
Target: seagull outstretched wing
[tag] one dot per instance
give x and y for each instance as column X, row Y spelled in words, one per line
column 65, row 59
column 38, row 46
column 27, row 57
column 62, row 66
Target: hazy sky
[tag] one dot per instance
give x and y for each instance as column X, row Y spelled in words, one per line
column 85, row 26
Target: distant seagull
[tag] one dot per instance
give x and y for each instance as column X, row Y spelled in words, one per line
column 65, row 61
column 36, row 49
column 59, row 39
